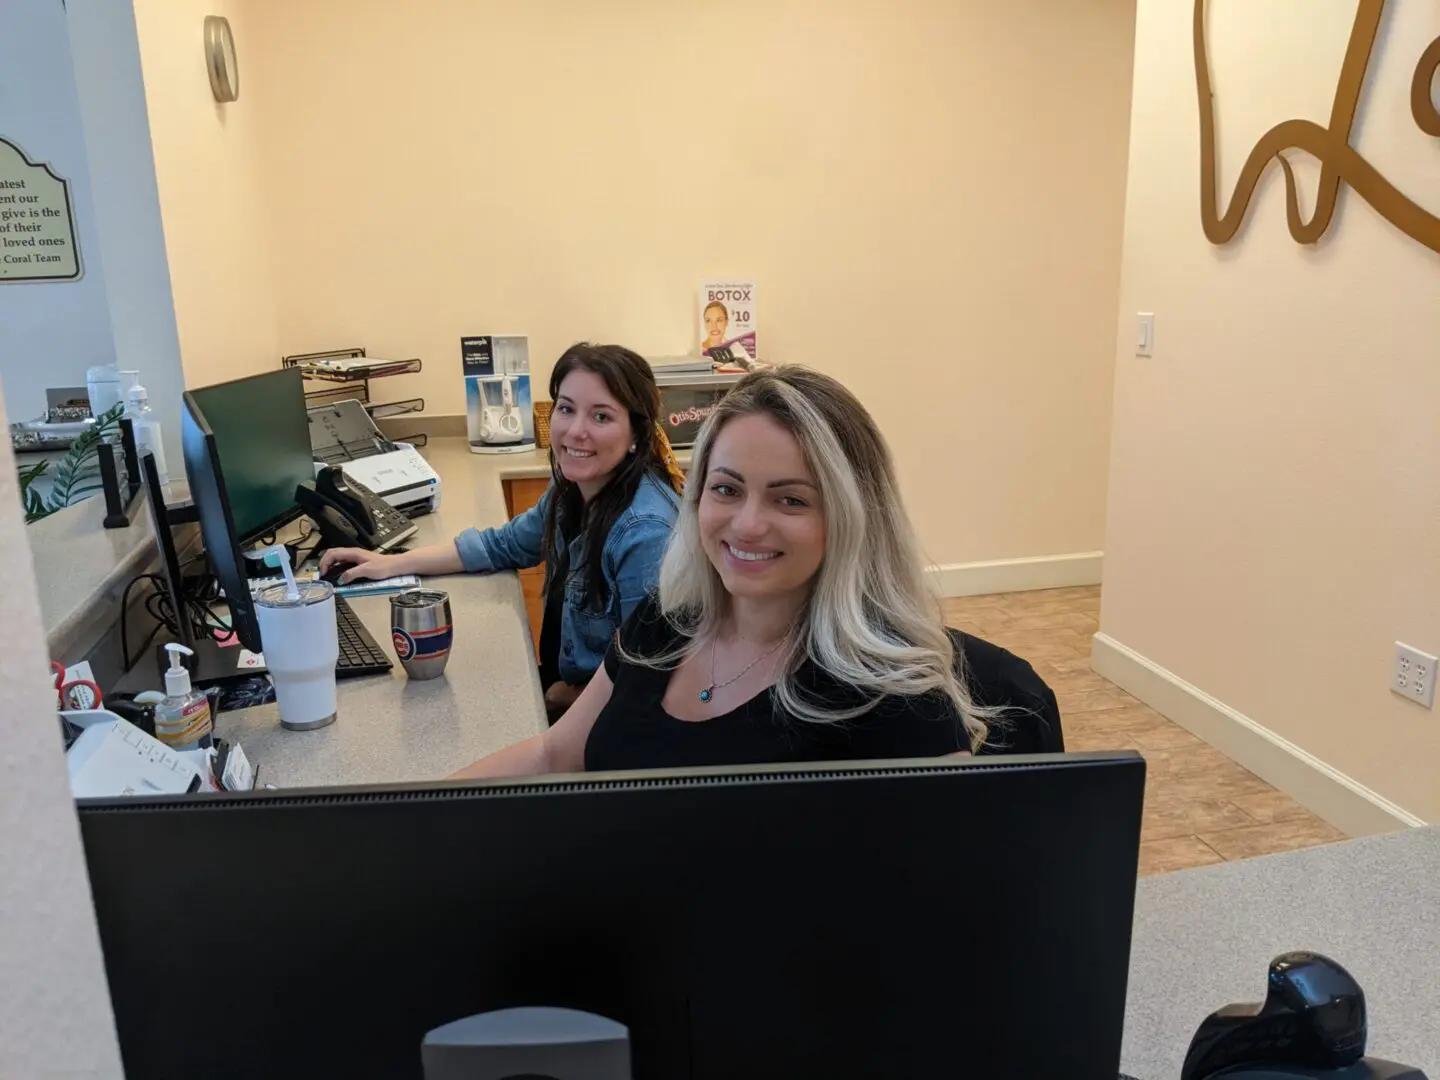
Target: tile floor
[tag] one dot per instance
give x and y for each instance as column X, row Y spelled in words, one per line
column 1200, row 807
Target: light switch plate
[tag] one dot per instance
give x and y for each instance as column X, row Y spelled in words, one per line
column 1145, row 333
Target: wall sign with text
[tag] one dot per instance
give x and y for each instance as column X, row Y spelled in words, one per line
column 727, row 316
column 1339, row 161
column 37, row 222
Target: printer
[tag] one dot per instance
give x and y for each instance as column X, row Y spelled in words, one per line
column 342, row 433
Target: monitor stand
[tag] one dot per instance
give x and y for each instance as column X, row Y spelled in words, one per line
column 212, row 665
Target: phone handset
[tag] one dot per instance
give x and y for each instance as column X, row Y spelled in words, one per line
column 344, row 514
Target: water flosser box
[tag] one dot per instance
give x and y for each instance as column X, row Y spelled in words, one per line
column 499, row 409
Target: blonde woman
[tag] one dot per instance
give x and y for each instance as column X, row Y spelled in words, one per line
column 792, row 621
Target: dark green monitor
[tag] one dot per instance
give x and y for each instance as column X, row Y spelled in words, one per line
column 262, row 436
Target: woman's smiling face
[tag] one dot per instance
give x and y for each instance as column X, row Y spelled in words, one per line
column 589, row 430
column 717, row 320
column 762, row 519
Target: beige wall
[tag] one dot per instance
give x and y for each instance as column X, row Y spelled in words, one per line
column 1274, row 524
column 930, row 197
column 217, row 236
column 72, row 95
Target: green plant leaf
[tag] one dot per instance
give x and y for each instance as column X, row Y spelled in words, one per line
column 35, row 509
column 78, row 466
column 75, row 474
column 32, row 473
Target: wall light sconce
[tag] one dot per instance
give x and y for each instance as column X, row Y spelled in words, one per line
column 220, row 59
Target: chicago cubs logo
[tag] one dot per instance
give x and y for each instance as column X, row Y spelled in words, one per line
column 422, row 644
column 404, row 643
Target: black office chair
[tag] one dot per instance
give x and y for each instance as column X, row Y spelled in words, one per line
column 997, row 677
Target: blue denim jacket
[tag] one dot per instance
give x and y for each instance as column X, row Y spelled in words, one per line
column 631, row 564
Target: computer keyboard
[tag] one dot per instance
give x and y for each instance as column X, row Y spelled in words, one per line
column 359, row 653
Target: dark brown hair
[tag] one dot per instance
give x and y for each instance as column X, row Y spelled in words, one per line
column 627, row 375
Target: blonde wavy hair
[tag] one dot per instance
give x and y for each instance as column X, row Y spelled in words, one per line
column 871, row 621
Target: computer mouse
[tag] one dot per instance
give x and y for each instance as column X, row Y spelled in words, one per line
column 333, row 574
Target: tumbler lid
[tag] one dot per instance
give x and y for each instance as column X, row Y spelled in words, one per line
column 308, row 592
column 419, row 598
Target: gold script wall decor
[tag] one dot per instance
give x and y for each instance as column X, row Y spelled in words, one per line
column 1339, row 161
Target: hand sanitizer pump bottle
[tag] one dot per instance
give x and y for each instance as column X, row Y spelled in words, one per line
column 182, row 720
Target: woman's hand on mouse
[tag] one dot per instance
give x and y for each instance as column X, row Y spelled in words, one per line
column 442, row 558
column 360, row 564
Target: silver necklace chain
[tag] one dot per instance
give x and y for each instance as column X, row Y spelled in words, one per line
column 708, row 693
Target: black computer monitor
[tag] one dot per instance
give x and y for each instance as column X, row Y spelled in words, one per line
column 262, row 433
column 210, row 493
column 959, row 917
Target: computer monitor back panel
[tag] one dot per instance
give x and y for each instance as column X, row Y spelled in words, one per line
column 262, row 432
column 896, row 920
column 217, row 524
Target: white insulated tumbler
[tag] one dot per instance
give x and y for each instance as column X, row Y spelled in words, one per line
column 301, row 645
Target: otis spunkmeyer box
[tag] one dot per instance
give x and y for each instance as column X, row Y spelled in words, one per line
column 686, row 399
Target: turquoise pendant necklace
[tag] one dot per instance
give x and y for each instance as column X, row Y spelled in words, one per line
column 707, row 694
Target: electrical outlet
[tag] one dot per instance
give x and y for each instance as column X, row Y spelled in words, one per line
column 1414, row 677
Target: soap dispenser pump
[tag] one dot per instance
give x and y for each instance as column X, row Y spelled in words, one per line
column 182, row 720
column 145, row 424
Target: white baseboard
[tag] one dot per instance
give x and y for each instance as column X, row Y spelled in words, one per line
column 1018, row 575
column 1341, row 800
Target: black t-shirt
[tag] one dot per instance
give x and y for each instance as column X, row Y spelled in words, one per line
column 633, row 731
